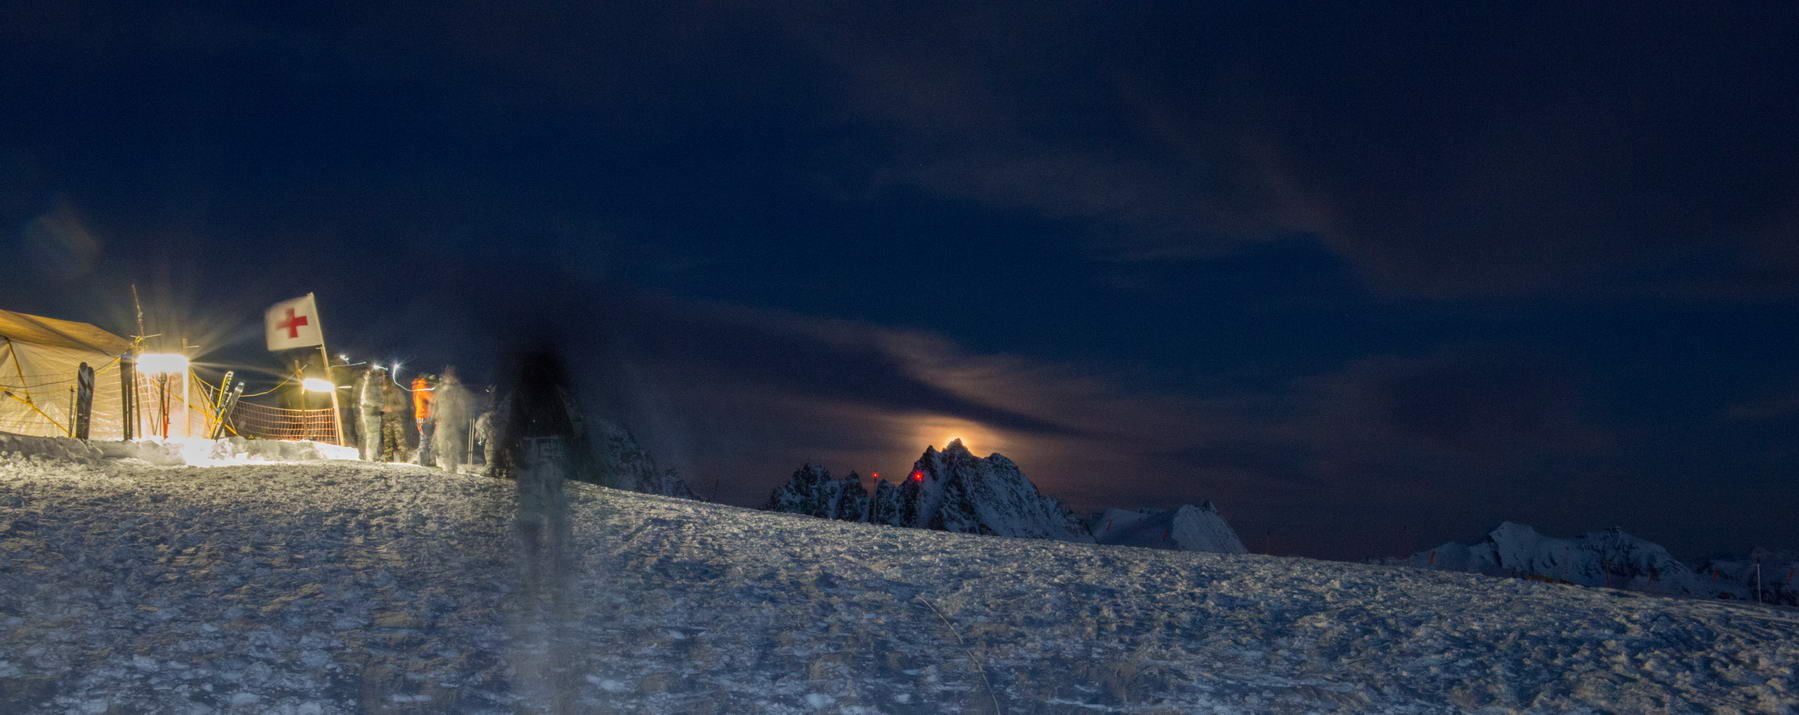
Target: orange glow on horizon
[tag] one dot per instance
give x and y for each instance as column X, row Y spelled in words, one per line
column 939, row 431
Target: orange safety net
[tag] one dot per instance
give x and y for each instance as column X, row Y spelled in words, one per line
column 266, row 422
column 258, row 421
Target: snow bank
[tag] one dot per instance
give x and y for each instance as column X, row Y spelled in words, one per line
column 177, row 451
column 338, row 586
column 57, row 448
column 221, row 452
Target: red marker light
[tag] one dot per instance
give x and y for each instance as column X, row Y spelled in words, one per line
column 918, row 475
column 877, row 475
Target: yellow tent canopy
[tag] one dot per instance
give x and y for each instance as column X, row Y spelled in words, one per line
column 51, row 332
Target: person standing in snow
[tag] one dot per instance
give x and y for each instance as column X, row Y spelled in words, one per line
column 484, row 438
column 393, row 422
column 368, row 410
column 422, row 397
column 450, row 413
column 540, row 447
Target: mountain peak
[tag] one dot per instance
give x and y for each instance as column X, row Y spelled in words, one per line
column 951, row 490
column 1184, row 528
column 957, row 451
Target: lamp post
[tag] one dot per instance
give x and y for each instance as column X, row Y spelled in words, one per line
column 161, row 366
column 319, row 384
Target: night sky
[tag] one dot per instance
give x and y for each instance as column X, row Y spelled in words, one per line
column 1368, row 279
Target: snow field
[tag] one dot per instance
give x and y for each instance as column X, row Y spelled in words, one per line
column 338, row 586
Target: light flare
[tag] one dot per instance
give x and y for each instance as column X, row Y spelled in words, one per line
column 162, row 363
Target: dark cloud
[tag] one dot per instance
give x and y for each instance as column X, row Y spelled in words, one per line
column 1467, row 403
column 834, row 362
column 1461, row 151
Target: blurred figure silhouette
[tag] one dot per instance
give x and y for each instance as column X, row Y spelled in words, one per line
column 485, row 443
column 393, row 422
column 540, row 446
column 368, row 410
column 450, row 414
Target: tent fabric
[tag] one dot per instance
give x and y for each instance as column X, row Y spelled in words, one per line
column 51, row 332
column 39, row 359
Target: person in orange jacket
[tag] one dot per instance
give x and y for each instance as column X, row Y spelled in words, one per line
column 423, row 397
column 421, row 400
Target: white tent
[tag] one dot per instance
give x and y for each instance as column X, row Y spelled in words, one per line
column 39, row 360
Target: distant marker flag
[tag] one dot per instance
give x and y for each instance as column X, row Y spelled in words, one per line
column 293, row 324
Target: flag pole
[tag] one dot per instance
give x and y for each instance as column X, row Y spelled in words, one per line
column 337, row 413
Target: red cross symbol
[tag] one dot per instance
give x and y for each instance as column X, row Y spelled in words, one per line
column 292, row 324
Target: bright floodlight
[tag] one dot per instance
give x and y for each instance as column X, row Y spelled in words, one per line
column 317, row 384
column 161, row 364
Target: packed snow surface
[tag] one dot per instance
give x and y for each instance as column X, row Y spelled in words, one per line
column 336, row 586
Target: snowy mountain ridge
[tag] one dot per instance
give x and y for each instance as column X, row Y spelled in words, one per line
column 1774, row 573
column 1185, row 528
column 1612, row 558
column 813, row 492
column 953, row 490
column 624, row 464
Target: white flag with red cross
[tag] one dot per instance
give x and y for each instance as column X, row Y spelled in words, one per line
column 293, row 324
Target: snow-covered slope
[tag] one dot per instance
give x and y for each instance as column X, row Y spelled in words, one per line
column 1609, row 558
column 1188, row 528
column 341, row 586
